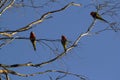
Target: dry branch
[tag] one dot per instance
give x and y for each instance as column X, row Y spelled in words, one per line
column 42, row 18
column 81, row 77
column 58, row 56
column 6, row 7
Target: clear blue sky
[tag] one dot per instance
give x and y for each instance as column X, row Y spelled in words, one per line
column 97, row 56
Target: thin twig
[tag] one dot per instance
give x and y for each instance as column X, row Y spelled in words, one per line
column 47, row 71
column 7, row 7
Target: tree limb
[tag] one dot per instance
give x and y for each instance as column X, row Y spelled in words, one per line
column 43, row 17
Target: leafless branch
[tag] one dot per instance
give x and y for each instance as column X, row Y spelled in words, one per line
column 7, row 7
column 81, row 77
column 58, row 56
column 43, row 17
column 7, row 77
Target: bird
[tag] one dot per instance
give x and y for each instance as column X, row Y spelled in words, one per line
column 33, row 40
column 64, row 42
column 95, row 15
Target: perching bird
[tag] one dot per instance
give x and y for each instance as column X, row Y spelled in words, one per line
column 33, row 40
column 64, row 42
column 95, row 15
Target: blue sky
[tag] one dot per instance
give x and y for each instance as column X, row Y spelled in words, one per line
column 96, row 56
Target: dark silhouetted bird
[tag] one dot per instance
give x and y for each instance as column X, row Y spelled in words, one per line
column 95, row 15
column 33, row 40
column 64, row 42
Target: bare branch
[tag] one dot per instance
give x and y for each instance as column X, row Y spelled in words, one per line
column 7, row 77
column 2, row 3
column 60, row 55
column 9, row 5
column 16, row 65
column 43, row 17
column 47, row 71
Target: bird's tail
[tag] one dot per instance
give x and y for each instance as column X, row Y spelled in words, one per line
column 104, row 20
column 34, row 46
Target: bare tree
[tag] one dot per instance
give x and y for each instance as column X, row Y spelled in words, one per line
column 8, row 36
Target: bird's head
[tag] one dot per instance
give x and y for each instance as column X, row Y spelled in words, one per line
column 32, row 35
column 63, row 37
column 92, row 13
